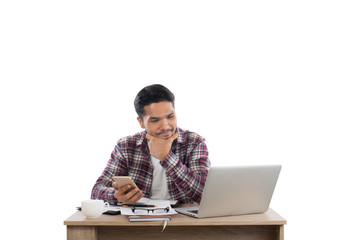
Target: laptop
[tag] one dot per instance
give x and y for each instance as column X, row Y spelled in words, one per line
column 236, row 190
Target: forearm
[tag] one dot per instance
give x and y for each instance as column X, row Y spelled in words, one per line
column 101, row 190
column 191, row 180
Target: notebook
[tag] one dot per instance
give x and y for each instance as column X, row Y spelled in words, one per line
column 236, row 190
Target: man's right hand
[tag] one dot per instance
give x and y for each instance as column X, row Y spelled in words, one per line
column 127, row 194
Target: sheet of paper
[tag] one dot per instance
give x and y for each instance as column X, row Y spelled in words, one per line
column 155, row 202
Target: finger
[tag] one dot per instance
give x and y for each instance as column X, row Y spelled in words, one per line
column 120, row 192
column 133, row 198
column 131, row 193
column 126, row 198
column 115, row 185
column 120, row 196
column 174, row 136
column 116, row 195
column 125, row 188
column 136, row 197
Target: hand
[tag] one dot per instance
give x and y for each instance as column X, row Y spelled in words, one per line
column 127, row 194
column 160, row 148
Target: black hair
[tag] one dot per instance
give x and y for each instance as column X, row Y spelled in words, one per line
column 152, row 94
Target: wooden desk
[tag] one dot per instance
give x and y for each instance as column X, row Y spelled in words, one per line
column 264, row 226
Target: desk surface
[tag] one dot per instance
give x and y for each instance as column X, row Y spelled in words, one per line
column 268, row 218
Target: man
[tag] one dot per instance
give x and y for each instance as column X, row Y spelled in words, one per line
column 164, row 161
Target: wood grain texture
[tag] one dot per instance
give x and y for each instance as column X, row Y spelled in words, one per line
column 265, row 226
column 81, row 233
column 281, row 232
column 190, row 233
column 268, row 218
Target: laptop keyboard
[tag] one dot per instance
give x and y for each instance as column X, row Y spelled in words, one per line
column 194, row 211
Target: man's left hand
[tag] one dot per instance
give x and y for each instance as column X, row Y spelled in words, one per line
column 160, row 148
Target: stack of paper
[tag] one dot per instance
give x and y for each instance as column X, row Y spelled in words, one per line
column 150, row 215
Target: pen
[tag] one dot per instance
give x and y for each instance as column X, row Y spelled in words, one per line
column 138, row 205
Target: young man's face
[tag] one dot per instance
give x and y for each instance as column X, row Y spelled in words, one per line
column 159, row 120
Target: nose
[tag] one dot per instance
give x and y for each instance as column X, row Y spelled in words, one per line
column 164, row 124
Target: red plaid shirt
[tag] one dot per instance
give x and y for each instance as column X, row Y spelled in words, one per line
column 186, row 167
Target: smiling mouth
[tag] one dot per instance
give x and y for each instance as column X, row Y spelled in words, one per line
column 165, row 134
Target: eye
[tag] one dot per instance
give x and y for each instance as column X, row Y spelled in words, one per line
column 170, row 116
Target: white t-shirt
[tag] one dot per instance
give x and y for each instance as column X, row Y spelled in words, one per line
column 159, row 182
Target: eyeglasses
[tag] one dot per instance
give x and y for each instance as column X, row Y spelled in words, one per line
column 147, row 211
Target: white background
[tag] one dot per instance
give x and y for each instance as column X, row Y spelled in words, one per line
column 263, row 81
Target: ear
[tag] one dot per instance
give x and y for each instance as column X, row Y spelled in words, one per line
column 140, row 122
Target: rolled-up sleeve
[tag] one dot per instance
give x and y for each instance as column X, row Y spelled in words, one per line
column 190, row 176
column 103, row 187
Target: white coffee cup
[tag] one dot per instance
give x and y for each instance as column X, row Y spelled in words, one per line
column 93, row 208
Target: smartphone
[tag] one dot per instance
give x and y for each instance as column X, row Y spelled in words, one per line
column 124, row 180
